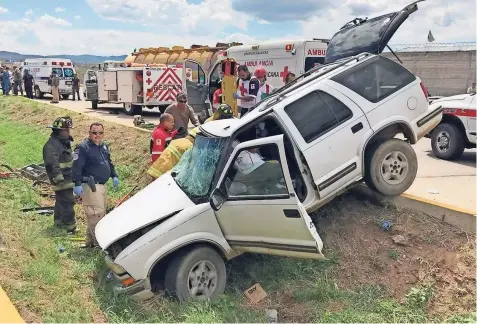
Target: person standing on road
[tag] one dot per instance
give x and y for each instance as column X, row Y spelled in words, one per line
column 17, row 81
column 28, row 82
column 55, row 91
column 265, row 88
column 6, row 81
column 58, row 160
column 248, row 90
column 76, row 87
column 161, row 135
column 92, row 162
column 182, row 112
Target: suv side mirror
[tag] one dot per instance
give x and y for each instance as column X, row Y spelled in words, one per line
column 217, row 199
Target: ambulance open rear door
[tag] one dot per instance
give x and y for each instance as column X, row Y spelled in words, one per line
column 195, row 82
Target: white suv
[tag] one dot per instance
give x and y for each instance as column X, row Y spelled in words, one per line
column 456, row 131
column 249, row 184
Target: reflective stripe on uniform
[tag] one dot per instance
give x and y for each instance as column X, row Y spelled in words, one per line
column 175, row 152
column 156, row 152
column 64, row 165
column 69, row 185
column 58, row 178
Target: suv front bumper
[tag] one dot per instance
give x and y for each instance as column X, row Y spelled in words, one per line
column 139, row 290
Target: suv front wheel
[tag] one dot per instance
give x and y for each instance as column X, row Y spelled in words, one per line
column 197, row 274
column 447, row 142
column 391, row 167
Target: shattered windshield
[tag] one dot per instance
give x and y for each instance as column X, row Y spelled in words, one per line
column 196, row 168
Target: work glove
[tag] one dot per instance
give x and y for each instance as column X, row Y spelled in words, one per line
column 115, row 182
column 78, row 190
column 236, row 95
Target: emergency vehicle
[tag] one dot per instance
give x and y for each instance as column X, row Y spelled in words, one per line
column 41, row 69
column 280, row 58
column 456, row 132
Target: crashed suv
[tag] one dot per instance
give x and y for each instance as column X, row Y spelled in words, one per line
column 249, row 184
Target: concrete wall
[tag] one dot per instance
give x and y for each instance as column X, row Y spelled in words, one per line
column 443, row 73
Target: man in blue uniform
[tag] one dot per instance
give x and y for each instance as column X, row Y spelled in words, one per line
column 92, row 168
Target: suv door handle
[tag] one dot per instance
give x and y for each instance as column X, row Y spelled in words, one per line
column 292, row 213
column 356, row 128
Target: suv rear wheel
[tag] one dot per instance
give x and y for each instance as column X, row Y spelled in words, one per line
column 198, row 274
column 392, row 168
column 447, row 142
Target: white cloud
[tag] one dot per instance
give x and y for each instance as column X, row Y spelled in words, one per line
column 3, row 10
column 49, row 21
column 60, row 9
column 77, row 17
column 263, row 22
column 29, row 13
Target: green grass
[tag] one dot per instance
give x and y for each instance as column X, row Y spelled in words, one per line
column 50, row 286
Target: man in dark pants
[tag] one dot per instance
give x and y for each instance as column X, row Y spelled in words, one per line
column 58, row 159
column 28, row 82
column 76, row 87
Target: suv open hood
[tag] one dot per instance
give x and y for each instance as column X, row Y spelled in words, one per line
column 366, row 35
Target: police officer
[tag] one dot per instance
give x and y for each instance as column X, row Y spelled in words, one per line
column 92, row 168
column 58, row 160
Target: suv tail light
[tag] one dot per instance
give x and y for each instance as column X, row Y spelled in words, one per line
column 424, row 90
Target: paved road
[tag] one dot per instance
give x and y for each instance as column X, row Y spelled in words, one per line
column 451, row 183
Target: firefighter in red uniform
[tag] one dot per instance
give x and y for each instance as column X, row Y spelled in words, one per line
column 161, row 134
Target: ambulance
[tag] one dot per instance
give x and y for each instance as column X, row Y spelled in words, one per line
column 41, row 69
column 280, row 58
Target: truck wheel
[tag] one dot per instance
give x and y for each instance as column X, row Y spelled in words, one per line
column 131, row 109
column 94, row 104
column 447, row 142
column 38, row 93
column 198, row 274
column 65, row 96
column 392, row 167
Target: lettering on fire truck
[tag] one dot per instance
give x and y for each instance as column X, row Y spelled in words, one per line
column 167, row 87
column 317, row 52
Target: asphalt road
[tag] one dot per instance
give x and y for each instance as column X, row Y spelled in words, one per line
column 446, row 182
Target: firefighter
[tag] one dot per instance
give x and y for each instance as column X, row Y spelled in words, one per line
column 223, row 111
column 58, row 160
column 265, row 88
column 92, row 168
column 172, row 154
column 161, row 134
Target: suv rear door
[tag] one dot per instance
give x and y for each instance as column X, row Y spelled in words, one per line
column 196, row 86
column 265, row 216
column 367, row 35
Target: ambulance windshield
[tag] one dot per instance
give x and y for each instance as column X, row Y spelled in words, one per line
column 196, row 168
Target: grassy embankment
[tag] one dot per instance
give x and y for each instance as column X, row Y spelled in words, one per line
column 367, row 279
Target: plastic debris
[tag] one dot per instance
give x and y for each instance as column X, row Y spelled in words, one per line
column 400, row 240
column 109, row 276
column 61, row 249
column 386, row 225
column 272, row 315
column 255, row 293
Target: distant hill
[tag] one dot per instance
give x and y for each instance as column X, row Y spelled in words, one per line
column 80, row 59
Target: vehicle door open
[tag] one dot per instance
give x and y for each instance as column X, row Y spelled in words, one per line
column 256, row 206
column 196, row 87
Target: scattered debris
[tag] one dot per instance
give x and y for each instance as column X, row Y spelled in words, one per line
column 272, row 315
column 386, row 225
column 400, row 240
column 255, row 293
column 61, row 249
column 40, row 210
column 433, row 191
column 109, row 276
column 139, row 121
column 11, row 173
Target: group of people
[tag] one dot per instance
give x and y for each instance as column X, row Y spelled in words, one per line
column 54, row 82
column 16, row 80
column 82, row 172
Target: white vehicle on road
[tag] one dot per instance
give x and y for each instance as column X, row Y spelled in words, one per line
column 309, row 142
column 456, row 131
column 41, row 69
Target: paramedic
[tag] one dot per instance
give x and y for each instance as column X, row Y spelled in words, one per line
column 172, row 154
column 17, row 81
column 76, row 87
column 58, row 160
column 247, row 90
column 92, row 161
column 182, row 112
column 55, row 84
column 161, row 134
column 265, row 88
column 28, row 82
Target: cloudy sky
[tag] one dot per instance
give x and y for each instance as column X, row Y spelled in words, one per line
column 110, row 27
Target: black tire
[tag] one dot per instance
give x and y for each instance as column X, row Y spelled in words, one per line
column 65, row 96
column 38, row 93
column 447, row 142
column 177, row 274
column 131, row 109
column 402, row 178
column 94, row 104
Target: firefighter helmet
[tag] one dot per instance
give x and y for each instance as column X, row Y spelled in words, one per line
column 62, row 123
column 260, row 73
column 224, row 111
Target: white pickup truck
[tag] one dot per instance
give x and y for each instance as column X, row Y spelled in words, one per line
column 249, row 184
